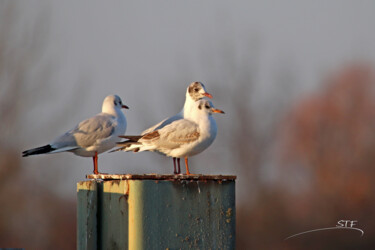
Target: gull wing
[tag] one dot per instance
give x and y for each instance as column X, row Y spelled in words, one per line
column 163, row 123
column 87, row 132
column 172, row 136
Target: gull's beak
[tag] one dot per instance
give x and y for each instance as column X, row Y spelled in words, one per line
column 124, row 107
column 217, row 111
column 207, row 95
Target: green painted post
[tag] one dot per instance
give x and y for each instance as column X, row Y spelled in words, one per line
column 157, row 212
column 87, row 195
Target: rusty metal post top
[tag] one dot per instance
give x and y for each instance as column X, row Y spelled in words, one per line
column 171, row 177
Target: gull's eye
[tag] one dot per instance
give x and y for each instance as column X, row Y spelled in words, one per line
column 196, row 90
column 207, row 107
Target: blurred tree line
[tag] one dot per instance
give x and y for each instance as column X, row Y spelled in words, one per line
column 325, row 152
column 31, row 216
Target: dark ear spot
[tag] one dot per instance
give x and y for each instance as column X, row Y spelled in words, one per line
column 191, row 88
column 200, row 106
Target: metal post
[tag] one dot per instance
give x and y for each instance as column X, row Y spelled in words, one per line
column 156, row 212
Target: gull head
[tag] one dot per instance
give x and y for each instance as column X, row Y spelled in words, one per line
column 197, row 91
column 112, row 102
column 206, row 106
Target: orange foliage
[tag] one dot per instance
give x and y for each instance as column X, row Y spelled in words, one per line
column 332, row 135
column 334, row 130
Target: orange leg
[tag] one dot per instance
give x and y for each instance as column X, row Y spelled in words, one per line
column 95, row 159
column 187, row 166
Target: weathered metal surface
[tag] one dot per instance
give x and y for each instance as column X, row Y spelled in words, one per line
column 87, row 195
column 113, row 215
column 160, row 177
column 160, row 213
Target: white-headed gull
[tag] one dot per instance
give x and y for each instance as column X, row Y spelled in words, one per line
column 194, row 92
column 182, row 138
column 91, row 136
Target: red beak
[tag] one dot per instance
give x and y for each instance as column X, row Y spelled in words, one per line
column 208, row 95
column 217, row 111
column 124, row 107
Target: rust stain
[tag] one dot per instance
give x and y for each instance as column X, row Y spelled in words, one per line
column 87, row 185
column 126, row 195
column 228, row 214
column 117, row 182
column 169, row 177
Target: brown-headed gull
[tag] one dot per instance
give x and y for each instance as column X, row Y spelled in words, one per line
column 182, row 138
column 91, row 136
column 194, row 92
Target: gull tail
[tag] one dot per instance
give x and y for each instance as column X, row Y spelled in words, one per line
column 37, row 151
column 131, row 144
column 131, row 138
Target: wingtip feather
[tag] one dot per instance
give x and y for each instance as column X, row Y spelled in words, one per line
column 37, row 151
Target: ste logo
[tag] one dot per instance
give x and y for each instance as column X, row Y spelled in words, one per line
column 341, row 225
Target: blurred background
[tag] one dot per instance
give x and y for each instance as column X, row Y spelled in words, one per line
column 296, row 80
